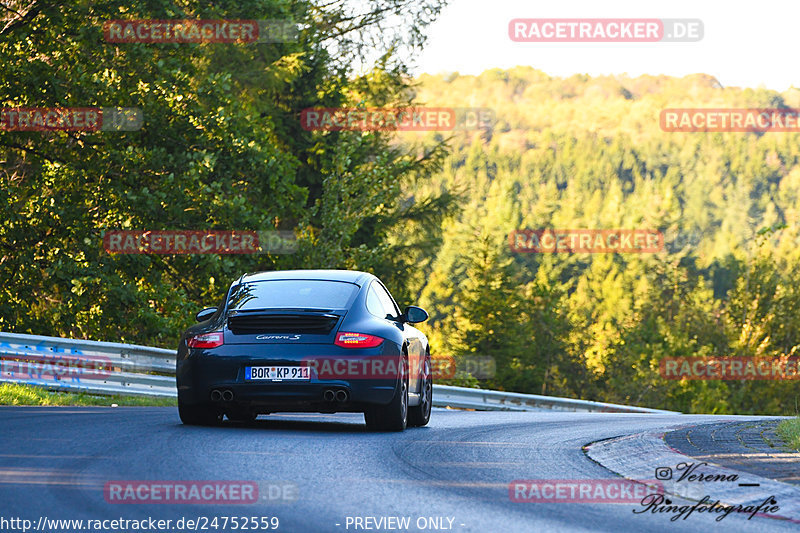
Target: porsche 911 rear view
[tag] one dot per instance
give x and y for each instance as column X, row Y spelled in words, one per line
column 306, row 340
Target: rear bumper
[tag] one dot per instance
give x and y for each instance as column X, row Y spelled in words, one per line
column 200, row 372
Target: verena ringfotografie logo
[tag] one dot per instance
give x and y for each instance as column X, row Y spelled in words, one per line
column 605, row 30
column 738, row 120
column 199, row 492
column 730, row 368
column 396, row 119
column 691, row 472
column 593, row 241
column 70, row 119
column 582, row 490
column 657, row 503
column 200, row 242
column 199, row 31
column 692, row 482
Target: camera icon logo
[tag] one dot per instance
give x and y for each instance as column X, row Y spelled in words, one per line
column 663, row 473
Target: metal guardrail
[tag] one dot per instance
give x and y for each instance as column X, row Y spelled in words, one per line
column 87, row 366
column 490, row 400
column 133, row 370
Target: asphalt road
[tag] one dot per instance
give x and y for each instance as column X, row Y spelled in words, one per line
column 453, row 474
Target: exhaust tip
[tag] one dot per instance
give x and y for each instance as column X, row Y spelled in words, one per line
column 216, row 395
column 341, row 396
column 227, row 395
column 329, row 395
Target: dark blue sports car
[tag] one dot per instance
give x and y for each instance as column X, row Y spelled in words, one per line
column 306, row 340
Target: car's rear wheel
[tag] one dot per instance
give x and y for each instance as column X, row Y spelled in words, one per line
column 198, row 415
column 392, row 417
column 419, row 415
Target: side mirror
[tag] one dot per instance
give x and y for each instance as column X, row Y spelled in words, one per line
column 414, row 314
column 205, row 314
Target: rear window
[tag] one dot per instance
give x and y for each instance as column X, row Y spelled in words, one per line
column 317, row 294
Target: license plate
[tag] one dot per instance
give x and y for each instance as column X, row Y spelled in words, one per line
column 277, row 373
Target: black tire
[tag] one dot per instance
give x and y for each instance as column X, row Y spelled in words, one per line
column 392, row 417
column 420, row 415
column 198, row 415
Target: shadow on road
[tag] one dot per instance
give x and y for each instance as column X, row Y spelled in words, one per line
column 311, row 424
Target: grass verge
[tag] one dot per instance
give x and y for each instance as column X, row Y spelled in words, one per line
column 790, row 431
column 14, row 394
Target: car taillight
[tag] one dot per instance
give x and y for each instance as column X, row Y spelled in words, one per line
column 357, row 340
column 206, row 340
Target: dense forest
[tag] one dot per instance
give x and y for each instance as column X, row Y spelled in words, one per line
column 586, row 152
column 222, row 147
